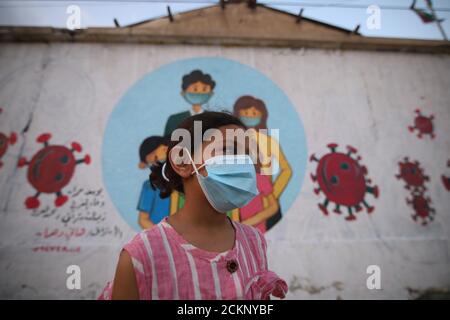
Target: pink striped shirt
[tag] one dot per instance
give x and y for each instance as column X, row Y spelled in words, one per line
column 168, row 267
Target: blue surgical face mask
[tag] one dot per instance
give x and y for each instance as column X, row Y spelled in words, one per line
column 250, row 121
column 197, row 98
column 230, row 183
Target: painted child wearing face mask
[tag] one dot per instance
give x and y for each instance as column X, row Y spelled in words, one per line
column 151, row 207
column 199, row 252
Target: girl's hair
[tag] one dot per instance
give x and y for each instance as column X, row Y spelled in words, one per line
column 210, row 120
column 246, row 102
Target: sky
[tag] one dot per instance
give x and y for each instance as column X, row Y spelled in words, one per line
column 393, row 23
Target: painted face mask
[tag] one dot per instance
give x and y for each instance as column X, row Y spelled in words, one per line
column 250, row 121
column 196, row 98
column 230, row 183
column 158, row 162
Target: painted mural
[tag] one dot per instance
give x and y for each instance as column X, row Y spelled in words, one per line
column 46, row 176
column 76, row 186
column 156, row 104
column 415, row 179
column 51, row 169
column 152, row 208
column 162, row 99
column 343, row 180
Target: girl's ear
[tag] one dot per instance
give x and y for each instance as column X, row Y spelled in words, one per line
column 183, row 169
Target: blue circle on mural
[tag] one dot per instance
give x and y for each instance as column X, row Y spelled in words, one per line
column 145, row 108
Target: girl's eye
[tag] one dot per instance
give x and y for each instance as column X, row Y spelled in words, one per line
column 228, row 150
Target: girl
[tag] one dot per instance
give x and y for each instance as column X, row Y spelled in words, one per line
column 199, row 252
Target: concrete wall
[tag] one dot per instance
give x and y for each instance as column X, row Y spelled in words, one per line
column 363, row 99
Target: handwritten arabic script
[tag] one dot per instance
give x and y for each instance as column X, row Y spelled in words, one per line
column 84, row 218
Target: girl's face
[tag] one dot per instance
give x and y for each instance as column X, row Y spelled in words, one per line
column 231, row 141
column 210, row 149
column 224, row 146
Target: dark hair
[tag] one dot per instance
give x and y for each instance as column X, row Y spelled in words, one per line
column 149, row 145
column 209, row 120
column 246, row 102
column 196, row 76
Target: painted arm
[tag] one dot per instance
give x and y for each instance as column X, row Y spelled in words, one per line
column 145, row 206
column 266, row 213
column 174, row 199
column 285, row 174
column 144, row 220
column 235, row 215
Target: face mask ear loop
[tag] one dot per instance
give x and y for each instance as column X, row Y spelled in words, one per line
column 162, row 172
column 192, row 161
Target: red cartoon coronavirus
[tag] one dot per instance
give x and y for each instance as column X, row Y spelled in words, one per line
column 51, row 169
column 423, row 125
column 415, row 179
column 6, row 140
column 412, row 174
column 422, row 208
column 343, row 181
column 445, row 179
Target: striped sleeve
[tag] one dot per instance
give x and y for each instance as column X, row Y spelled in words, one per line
column 262, row 241
column 139, row 261
column 258, row 245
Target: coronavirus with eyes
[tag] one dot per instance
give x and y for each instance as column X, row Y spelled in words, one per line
column 51, row 169
column 422, row 208
column 343, row 181
column 413, row 175
column 415, row 178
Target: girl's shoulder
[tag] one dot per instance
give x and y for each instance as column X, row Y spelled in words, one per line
column 252, row 235
column 248, row 230
column 146, row 242
column 147, row 233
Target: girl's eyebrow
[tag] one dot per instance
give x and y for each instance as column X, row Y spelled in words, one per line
column 235, row 145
